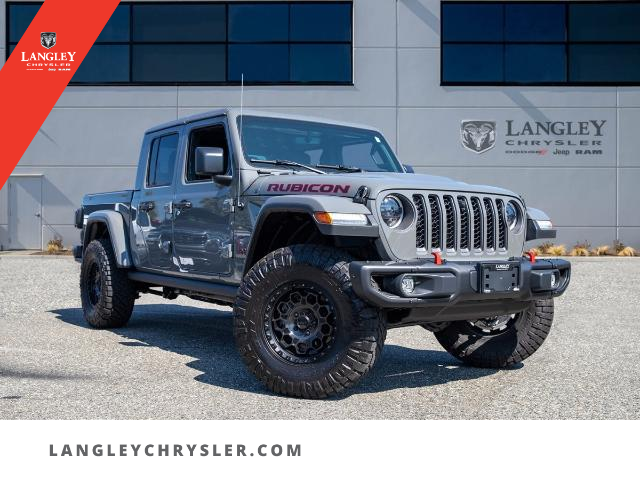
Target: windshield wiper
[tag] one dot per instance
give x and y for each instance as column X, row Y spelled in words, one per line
column 341, row 168
column 289, row 163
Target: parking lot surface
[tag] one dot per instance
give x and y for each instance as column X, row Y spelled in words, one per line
column 177, row 360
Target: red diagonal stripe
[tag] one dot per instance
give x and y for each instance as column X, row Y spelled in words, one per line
column 27, row 96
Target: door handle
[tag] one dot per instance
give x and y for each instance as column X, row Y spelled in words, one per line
column 183, row 205
column 146, row 206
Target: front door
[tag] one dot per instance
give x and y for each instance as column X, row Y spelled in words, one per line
column 154, row 204
column 203, row 208
column 25, row 212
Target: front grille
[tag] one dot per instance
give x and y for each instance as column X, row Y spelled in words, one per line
column 436, row 223
column 421, row 222
column 461, row 223
column 491, row 224
column 477, row 223
column 502, row 230
column 450, row 211
column 465, row 226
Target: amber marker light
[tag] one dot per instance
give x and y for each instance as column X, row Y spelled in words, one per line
column 353, row 219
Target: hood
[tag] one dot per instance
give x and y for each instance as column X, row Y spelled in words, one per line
column 347, row 184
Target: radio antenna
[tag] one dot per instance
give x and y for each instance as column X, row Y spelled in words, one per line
column 241, row 104
column 239, row 200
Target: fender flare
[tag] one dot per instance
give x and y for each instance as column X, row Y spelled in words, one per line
column 114, row 223
column 309, row 204
column 533, row 230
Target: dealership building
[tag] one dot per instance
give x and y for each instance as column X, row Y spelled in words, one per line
column 542, row 98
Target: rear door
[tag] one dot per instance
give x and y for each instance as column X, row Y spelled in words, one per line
column 203, row 208
column 25, row 212
column 153, row 204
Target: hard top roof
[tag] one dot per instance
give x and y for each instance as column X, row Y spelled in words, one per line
column 235, row 112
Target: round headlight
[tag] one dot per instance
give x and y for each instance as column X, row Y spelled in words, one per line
column 512, row 212
column 391, row 211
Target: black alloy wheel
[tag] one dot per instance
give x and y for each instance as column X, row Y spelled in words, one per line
column 300, row 322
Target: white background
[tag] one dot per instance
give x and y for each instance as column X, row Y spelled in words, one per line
column 332, row 449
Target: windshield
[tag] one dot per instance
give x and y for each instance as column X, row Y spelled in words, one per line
column 330, row 148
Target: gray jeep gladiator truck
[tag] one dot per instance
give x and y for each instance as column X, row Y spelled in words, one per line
column 321, row 241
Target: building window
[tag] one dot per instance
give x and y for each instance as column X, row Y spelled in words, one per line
column 214, row 43
column 540, row 43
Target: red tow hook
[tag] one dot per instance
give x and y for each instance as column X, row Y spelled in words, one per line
column 532, row 256
column 437, row 258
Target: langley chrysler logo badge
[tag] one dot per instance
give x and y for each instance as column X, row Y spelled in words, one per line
column 478, row 135
column 48, row 39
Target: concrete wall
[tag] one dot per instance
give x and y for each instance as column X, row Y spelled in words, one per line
column 90, row 140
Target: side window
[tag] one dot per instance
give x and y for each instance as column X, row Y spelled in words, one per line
column 162, row 161
column 214, row 136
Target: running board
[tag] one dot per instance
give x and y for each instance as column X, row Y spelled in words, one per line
column 220, row 291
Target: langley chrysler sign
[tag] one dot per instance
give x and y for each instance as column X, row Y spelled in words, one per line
column 535, row 137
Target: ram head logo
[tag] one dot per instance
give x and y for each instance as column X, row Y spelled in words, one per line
column 48, row 39
column 478, row 135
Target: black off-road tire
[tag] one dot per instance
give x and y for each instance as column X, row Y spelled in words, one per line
column 359, row 333
column 106, row 292
column 502, row 349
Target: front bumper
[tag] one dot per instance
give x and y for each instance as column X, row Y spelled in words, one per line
column 459, row 284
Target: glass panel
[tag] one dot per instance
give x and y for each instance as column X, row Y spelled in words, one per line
column 257, row 23
column 104, row 64
column 311, row 143
column 179, row 23
column 321, row 22
column 535, row 22
column 214, row 136
column 20, row 17
column 178, row 63
column 605, row 63
column 535, row 63
column 466, row 22
column 602, row 22
column 472, row 63
column 368, row 154
column 117, row 28
column 163, row 161
column 321, row 63
column 259, row 63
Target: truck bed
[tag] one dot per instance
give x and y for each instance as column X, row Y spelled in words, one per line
column 107, row 201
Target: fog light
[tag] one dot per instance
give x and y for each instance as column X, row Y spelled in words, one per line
column 555, row 280
column 408, row 285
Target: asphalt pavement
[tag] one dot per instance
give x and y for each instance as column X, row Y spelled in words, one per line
column 177, row 360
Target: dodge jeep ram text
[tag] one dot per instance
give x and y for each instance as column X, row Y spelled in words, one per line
column 320, row 240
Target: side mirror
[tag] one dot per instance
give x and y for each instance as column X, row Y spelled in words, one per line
column 210, row 161
column 408, row 169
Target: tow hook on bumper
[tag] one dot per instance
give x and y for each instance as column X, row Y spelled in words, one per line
column 423, row 283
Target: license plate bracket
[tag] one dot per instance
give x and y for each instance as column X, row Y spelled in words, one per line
column 499, row 277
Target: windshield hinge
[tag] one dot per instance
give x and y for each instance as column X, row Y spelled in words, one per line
column 361, row 195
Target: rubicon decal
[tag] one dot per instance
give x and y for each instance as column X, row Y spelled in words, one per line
column 308, row 188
